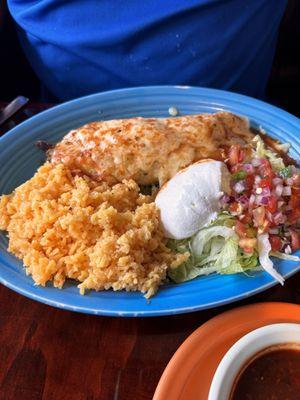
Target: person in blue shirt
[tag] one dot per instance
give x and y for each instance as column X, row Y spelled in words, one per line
column 78, row 47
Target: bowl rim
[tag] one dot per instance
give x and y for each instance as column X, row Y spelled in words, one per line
column 245, row 350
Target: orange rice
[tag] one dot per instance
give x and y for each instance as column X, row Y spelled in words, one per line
column 65, row 226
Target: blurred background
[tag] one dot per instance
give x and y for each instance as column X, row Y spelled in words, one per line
column 17, row 77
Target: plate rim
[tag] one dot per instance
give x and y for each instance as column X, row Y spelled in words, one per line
column 210, row 91
column 164, row 312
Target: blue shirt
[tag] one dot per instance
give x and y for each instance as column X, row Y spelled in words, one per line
column 78, row 47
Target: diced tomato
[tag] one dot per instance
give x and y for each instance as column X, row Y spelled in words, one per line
column 296, row 191
column 294, row 203
column 295, row 239
column 246, row 218
column 273, row 223
column 266, row 163
column 275, row 242
column 236, row 155
column 248, row 250
column 248, row 245
column 250, row 181
column 259, row 216
column 266, row 169
column 266, row 182
column 241, row 229
column 235, row 207
column 272, row 204
column 296, row 180
column 294, row 215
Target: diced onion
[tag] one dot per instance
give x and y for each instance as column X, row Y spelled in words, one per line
column 286, row 191
column 278, row 190
column 248, row 168
column 293, row 169
column 269, row 215
column 258, row 198
column 277, row 181
column 257, row 179
column 289, row 181
column 264, row 200
column 266, row 191
column 288, row 249
column 239, row 187
column 279, row 218
column 243, row 199
column 252, row 200
column 224, row 199
column 256, row 162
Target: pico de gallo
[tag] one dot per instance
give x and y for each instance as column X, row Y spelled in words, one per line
column 264, row 201
column 258, row 219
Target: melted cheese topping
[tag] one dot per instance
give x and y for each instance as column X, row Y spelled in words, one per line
column 149, row 150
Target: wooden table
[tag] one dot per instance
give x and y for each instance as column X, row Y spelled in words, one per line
column 51, row 354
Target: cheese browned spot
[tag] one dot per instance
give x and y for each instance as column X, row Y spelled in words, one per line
column 149, row 150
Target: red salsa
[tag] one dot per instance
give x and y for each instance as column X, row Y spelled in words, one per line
column 273, row 375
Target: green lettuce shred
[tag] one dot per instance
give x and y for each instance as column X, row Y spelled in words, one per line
column 213, row 249
column 261, row 151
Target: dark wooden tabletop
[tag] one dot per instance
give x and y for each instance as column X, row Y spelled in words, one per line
column 51, row 354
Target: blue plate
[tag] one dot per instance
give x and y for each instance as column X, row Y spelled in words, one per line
column 20, row 158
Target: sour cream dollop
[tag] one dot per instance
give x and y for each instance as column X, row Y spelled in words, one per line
column 190, row 200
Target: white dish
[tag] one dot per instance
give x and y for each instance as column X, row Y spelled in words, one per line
column 244, row 350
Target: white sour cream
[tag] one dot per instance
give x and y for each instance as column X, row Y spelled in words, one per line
column 190, row 200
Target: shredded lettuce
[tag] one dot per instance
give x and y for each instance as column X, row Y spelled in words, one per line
column 202, row 240
column 212, row 250
column 179, row 246
column 243, row 263
column 215, row 249
column 261, row 152
column 224, row 219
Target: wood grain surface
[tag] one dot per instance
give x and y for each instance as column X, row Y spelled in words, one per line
column 52, row 354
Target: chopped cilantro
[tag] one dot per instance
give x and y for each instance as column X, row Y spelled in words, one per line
column 286, row 172
column 239, row 176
